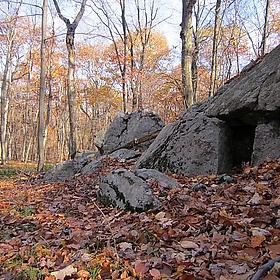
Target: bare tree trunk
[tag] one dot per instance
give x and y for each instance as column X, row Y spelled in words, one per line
column 50, row 95
column 124, row 70
column 71, row 95
column 265, row 29
column 41, row 129
column 132, row 78
column 5, row 91
column 196, row 35
column 5, row 106
column 112, row 27
column 145, row 34
column 214, row 62
column 187, row 52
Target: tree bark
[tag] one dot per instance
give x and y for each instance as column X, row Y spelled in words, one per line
column 187, row 52
column 265, row 29
column 124, row 70
column 5, row 104
column 41, row 129
column 214, row 62
column 6, row 80
column 71, row 95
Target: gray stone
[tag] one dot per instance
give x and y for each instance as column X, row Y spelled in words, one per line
column 99, row 138
column 252, row 96
column 63, row 171
column 125, row 154
column 147, row 174
column 86, row 154
column 123, row 189
column 267, row 142
column 92, row 167
column 191, row 146
column 198, row 187
column 249, row 105
column 128, row 127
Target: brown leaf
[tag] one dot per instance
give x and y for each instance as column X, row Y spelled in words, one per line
column 140, row 267
column 257, row 240
column 60, row 274
column 186, row 244
column 51, row 277
column 155, row 273
column 83, row 274
column 105, row 272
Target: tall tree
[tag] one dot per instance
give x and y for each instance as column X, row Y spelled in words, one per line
column 109, row 16
column 187, row 52
column 146, row 17
column 6, row 79
column 124, row 68
column 265, row 29
column 70, row 44
column 214, row 61
column 41, row 129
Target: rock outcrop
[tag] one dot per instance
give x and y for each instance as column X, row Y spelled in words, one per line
column 241, row 123
column 127, row 128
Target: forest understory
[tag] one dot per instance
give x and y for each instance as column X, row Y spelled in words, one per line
column 210, row 227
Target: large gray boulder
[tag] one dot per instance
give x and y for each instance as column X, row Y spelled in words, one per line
column 239, row 124
column 252, row 96
column 194, row 145
column 267, row 142
column 127, row 127
column 123, row 189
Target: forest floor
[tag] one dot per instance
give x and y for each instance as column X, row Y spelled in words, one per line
column 210, row 227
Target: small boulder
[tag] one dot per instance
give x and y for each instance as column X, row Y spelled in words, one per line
column 63, row 171
column 127, row 127
column 123, row 189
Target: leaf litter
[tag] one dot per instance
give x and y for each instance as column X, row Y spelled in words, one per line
column 209, row 227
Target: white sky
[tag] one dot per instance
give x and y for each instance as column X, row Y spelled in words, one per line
column 171, row 27
column 168, row 9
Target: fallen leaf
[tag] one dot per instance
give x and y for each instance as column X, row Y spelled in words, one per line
column 83, row 274
column 239, row 268
column 125, row 245
column 274, row 248
column 51, row 277
column 256, row 199
column 155, row 273
column 256, row 231
column 159, row 216
column 186, row 244
column 140, row 267
column 257, row 240
column 60, row 274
